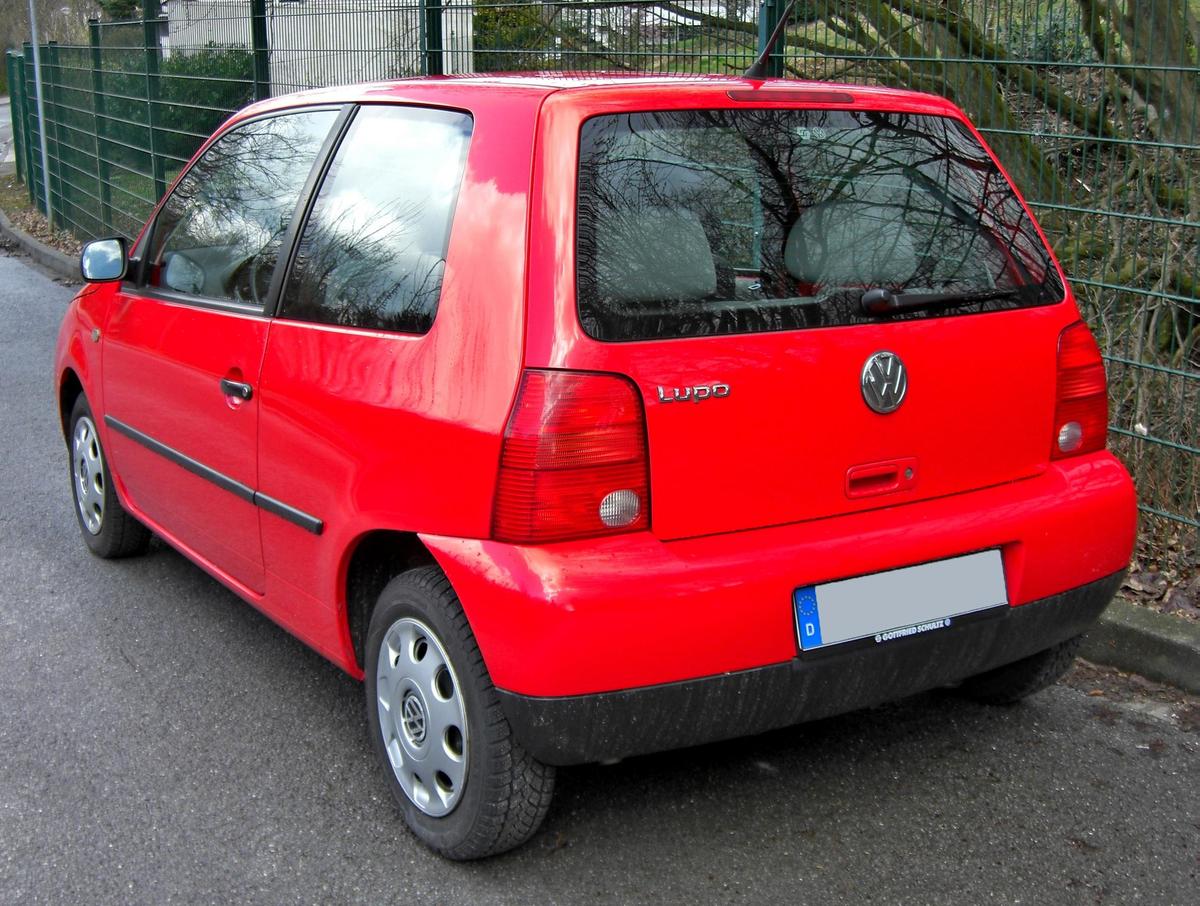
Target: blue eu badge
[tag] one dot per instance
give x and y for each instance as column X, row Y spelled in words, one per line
column 808, row 618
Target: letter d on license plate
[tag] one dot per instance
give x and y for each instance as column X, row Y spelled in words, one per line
column 899, row 603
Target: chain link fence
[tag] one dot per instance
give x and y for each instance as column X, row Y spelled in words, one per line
column 1093, row 106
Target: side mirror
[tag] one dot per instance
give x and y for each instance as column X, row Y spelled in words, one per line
column 103, row 260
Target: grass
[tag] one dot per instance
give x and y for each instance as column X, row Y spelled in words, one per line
column 14, row 197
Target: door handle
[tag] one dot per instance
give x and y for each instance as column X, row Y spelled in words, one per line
column 236, row 389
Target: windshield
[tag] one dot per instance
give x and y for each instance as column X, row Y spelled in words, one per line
column 735, row 221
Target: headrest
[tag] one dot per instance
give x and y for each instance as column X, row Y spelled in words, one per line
column 850, row 242
column 653, row 254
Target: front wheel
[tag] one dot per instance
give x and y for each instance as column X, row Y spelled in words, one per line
column 107, row 529
column 465, row 786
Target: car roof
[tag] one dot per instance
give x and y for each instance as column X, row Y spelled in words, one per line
column 453, row 89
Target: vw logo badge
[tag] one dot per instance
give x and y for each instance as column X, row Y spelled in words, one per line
column 884, row 382
column 414, row 718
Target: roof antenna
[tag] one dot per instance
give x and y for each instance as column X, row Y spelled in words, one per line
column 758, row 69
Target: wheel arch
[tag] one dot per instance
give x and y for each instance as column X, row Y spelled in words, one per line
column 70, row 388
column 375, row 558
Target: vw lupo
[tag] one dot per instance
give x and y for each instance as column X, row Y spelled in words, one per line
column 588, row 417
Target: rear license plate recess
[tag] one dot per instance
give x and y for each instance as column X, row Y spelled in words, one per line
column 913, row 600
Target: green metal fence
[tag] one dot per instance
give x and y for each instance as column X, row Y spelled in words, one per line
column 1093, row 105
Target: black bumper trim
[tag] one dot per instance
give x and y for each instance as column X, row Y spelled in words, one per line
column 583, row 728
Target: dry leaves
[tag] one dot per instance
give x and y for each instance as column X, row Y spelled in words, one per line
column 35, row 225
column 1164, row 590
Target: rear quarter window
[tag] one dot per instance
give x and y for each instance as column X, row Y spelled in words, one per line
column 705, row 222
column 373, row 250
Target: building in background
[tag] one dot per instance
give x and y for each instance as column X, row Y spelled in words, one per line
column 327, row 42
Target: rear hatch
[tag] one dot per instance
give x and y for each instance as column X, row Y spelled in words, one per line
column 723, row 258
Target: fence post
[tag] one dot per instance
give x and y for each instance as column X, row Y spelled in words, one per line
column 99, row 121
column 431, row 37
column 33, row 52
column 16, row 107
column 262, row 53
column 768, row 18
column 26, row 132
column 151, row 13
column 52, row 78
column 30, row 167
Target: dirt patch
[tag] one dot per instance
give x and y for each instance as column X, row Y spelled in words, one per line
column 1108, row 685
column 14, row 201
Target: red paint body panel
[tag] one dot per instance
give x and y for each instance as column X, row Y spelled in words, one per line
column 75, row 351
column 403, row 431
column 371, row 431
column 163, row 364
column 628, row 611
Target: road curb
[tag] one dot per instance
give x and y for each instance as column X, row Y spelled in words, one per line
column 58, row 263
column 1155, row 645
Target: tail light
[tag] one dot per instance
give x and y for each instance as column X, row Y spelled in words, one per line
column 1081, row 407
column 574, row 462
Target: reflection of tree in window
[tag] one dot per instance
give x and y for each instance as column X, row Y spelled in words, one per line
column 801, row 211
column 373, row 251
column 228, row 215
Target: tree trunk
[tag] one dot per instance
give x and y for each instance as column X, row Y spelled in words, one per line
column 1159, row 38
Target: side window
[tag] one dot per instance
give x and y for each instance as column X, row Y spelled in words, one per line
column 219, row 233
column 373, row 250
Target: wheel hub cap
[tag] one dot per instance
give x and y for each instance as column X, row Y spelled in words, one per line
column 422, row 717
column 87, row 475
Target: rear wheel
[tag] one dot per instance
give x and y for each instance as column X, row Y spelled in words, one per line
column 1009, row 684
column 465, row 786
column 107, row 529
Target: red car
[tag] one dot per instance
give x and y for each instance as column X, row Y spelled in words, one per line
column 587, row 417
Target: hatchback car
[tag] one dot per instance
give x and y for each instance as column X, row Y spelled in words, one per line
column 588, row 417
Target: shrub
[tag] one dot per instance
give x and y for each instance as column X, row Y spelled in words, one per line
column 200, row 89
column 517, row 35
column 1056, row 37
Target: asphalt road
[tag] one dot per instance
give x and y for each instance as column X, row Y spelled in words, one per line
column 162, row 742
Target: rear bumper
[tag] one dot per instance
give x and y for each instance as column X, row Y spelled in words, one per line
column 583, row 728
column 631, row 611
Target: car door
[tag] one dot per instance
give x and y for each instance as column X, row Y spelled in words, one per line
column 184, row 345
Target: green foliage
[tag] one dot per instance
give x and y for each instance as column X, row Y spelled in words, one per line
column 808, row 11
column 199, row 91
column 120, row 10
column 517, row 35
column 1054, row 35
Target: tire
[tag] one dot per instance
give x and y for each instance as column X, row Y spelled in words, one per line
column 107, row 529
column 1013, row 682
column 494, row 796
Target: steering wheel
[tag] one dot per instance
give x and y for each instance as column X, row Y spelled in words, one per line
column 245, row 280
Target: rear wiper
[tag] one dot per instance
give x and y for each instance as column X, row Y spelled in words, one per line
column 883, row 301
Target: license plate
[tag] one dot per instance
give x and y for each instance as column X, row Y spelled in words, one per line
column 899, row 603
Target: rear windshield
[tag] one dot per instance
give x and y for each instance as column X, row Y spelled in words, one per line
column 704, row 222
